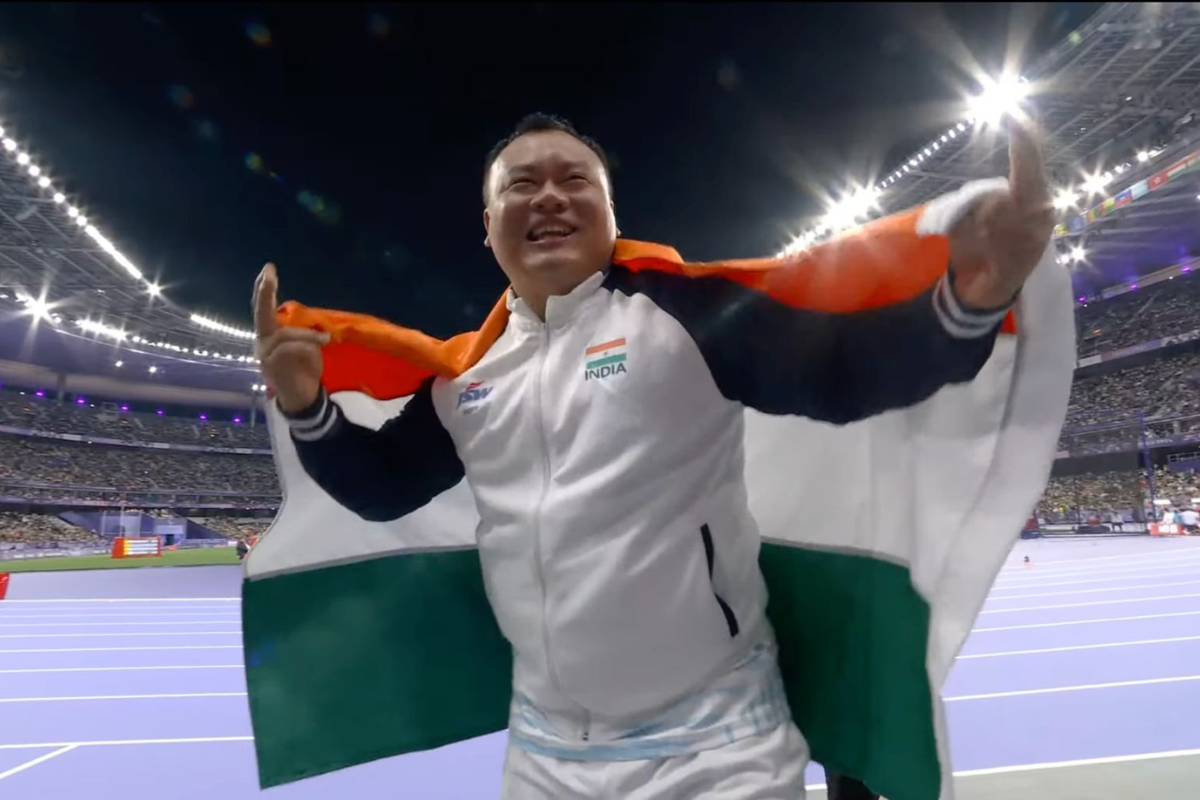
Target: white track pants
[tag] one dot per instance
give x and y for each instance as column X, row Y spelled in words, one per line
column 767, row 767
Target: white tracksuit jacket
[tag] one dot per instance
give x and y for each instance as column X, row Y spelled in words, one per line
column 604, row 450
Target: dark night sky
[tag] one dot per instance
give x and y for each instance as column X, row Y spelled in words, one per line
column 720, row 120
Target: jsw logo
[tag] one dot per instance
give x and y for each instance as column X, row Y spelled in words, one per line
column 473, row 393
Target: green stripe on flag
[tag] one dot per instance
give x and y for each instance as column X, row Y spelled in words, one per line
column 853, row 635
column 604, row 362
column 387, row 656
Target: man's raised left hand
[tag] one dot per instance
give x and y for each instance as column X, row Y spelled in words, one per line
column 995, row 247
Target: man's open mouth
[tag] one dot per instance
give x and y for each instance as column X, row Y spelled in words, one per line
column 549, row 233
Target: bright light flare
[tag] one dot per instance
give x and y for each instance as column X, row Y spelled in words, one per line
column 36, row 307
column 1066, row 198
column 1078, row 254
column 999, row 98
column 1095, row 184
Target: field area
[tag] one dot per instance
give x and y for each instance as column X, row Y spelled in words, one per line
column 206, row 557
column 1080, row 681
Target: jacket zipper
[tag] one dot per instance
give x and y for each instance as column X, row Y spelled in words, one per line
column 730, row 618
column 537, row 521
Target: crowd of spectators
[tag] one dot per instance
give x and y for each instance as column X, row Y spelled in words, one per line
column 245, row 530
column 44, row 413
column 1125, row 493
column 1165, row 388
column 28, row 464
column 1164, row 309
column 43, row 530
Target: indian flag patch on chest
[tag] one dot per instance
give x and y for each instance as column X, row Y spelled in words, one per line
column 604, row 360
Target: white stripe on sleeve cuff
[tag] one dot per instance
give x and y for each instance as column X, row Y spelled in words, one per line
column 963, row 323
column 314, row 426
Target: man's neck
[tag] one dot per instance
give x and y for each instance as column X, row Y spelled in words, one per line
column 537, row 296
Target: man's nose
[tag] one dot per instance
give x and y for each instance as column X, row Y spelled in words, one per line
column 550, row 198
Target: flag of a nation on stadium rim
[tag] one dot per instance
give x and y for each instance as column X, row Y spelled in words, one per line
column 366, row 640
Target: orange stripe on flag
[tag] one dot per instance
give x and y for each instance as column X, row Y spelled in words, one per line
column 602, row 347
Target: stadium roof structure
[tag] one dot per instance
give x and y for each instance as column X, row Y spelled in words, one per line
column 1118, row 103
column 1117, row 98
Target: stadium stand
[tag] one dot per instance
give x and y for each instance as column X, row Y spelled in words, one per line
column 43, row 530
column 1164, row 309
column 44, row 414
column 34, row 468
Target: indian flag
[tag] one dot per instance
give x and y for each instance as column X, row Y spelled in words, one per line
column 366, row 640
column 604, row 355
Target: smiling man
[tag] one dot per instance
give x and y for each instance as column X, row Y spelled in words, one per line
column 601, row 435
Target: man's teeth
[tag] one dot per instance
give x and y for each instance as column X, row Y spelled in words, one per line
column 546, row 233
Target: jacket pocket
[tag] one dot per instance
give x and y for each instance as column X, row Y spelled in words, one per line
column 730, row 620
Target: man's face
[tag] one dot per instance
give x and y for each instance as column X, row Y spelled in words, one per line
column 549, row 217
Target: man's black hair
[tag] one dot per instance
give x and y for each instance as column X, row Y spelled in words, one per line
column 535, row 123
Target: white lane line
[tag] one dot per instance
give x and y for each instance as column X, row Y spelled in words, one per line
column 124, row 622
column 1082, row 622
column 1081, row 762
column 33, row 763
column 1099, row 576
column 1081, row 605
column 1056, row 594
column 1125, row 556
column 119, row 669
column 126, row 649
column 1057, row 689
column 129, row 600
column 1036, row 572
column 1175, row 572
column 97, row 635
column 122, row 697
column 125, row 742
column 1074, row 647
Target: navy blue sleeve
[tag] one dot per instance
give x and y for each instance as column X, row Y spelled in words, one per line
column 379, row 475
column 836, row 368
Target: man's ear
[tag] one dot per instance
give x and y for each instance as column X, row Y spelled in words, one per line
column 487, row 226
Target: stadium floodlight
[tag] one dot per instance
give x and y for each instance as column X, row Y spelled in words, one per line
column 81, row 221
column 36, row 307
column 34, row 170
column 101, row 329
column 153, row 289
column 10, row 145
column 72, row 212
column 119, row 364
column 999, row 97
column 153, row 370
column 1065, row 198
column 1143, row 156
column 22, row 158
column 962, row 127
column 60, row 198
column 1095, row 184
column 212, row 324
column 44, row 182
column 1078, row 253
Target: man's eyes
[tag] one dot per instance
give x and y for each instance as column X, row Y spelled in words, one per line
column 525, row 183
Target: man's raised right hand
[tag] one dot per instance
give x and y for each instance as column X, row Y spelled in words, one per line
column 291, row 357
